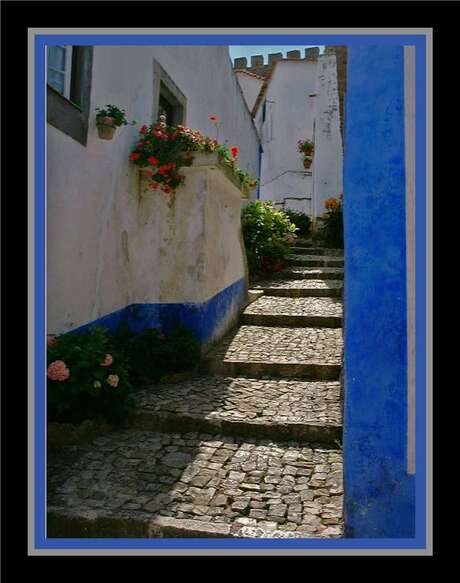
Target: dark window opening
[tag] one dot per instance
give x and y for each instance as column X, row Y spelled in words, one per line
column 264, row 111
column 168, row 98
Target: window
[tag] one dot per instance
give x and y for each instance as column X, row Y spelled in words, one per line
column 69, row 71
column 59, row 65
column 168, row 98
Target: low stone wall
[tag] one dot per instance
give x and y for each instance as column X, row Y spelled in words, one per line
column 186, row 256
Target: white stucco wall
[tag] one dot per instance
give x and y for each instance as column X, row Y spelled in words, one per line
column 103, row 242
column 301, row 102
column 250, row 87
column 328, row 160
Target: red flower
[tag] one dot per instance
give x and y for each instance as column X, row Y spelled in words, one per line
column 235, row 151
column 152, row 160
column 144, row 129
column 163, row 169
column 135, row 156
column 172, row 164
column 213, row 118
column 167, row 189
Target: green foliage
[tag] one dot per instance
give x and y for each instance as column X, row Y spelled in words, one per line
column 88, row 391
column 118, row 115
column 268, row 236
column 301, row 220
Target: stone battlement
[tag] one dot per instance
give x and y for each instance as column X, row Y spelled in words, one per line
column 259, row 67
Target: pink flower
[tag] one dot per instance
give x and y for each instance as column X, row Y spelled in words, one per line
column 113, row 380
column 144, row 129
column 134, row 156
column 50, row 340
column 235, row 151
column 213, row 118
column 58, row 371
column 107, row 360
column 152, row 160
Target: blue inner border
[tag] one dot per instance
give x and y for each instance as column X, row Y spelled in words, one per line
column 41, row 542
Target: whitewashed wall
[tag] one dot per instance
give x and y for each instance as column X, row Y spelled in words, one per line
column 94, row 216
column 250, row 87
column 301, row 102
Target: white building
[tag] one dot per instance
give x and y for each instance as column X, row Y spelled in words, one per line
column 297, row 99
column 109, row 248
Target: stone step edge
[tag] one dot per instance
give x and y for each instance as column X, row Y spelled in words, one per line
column 62, row 525
column 331, row 262
column 300, row 292
column 297, row 321
column 305, row 371
column 336, row 274
column 307, row 432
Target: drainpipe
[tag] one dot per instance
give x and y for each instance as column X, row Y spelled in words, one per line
column 260, row 170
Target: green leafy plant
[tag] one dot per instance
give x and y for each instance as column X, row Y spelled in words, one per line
column 268, row 236
column 88, row 378
column 331, row 230
column 301, row 220
column 305, row 147
column 91, row 374
column 162, row 150
column 118, row 115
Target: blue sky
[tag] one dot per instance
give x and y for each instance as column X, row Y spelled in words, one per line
column 247, row 51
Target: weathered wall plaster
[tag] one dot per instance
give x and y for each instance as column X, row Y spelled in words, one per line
column 379, row 493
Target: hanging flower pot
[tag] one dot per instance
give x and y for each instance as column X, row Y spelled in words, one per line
column 307, row 161
column 109, row 119
column 105, row 127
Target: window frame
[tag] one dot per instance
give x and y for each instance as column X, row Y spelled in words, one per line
column 165, row 87
column 71, row 114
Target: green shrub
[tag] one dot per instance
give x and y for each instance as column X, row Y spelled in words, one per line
column 91, row 374
column 268, row 236
column 332, row 228
column 154, row 355
column 88, row 378
column 301, row 220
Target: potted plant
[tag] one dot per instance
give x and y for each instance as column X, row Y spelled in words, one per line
column 307, row 148
column 108, row 119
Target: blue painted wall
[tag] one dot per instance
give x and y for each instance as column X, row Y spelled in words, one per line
column 205, row 319
column 379, row 495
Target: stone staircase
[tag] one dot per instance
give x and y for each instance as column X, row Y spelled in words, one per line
column 249, row 448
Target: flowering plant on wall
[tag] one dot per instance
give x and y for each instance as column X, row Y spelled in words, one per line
column 162, row 150
column 305, row 147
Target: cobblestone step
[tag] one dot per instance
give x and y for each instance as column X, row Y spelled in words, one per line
column 297, row 250
column 148, row 484
column 296, row 272
column 315, row 261
column 309, row 353
column 299, row 288
column 287, row 311
column 264, row 407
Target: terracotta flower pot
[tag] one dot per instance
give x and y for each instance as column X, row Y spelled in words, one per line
column 307, row 161
column 105, row 127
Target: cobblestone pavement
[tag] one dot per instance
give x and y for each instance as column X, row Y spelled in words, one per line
column 243, row 454
column 296, row 306
column 137, row 475
column 282, row 344
column 256, row 400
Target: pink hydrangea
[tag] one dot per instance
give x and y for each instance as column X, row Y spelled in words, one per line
column 107, row 360
column 113, row 380
column 58, row 371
